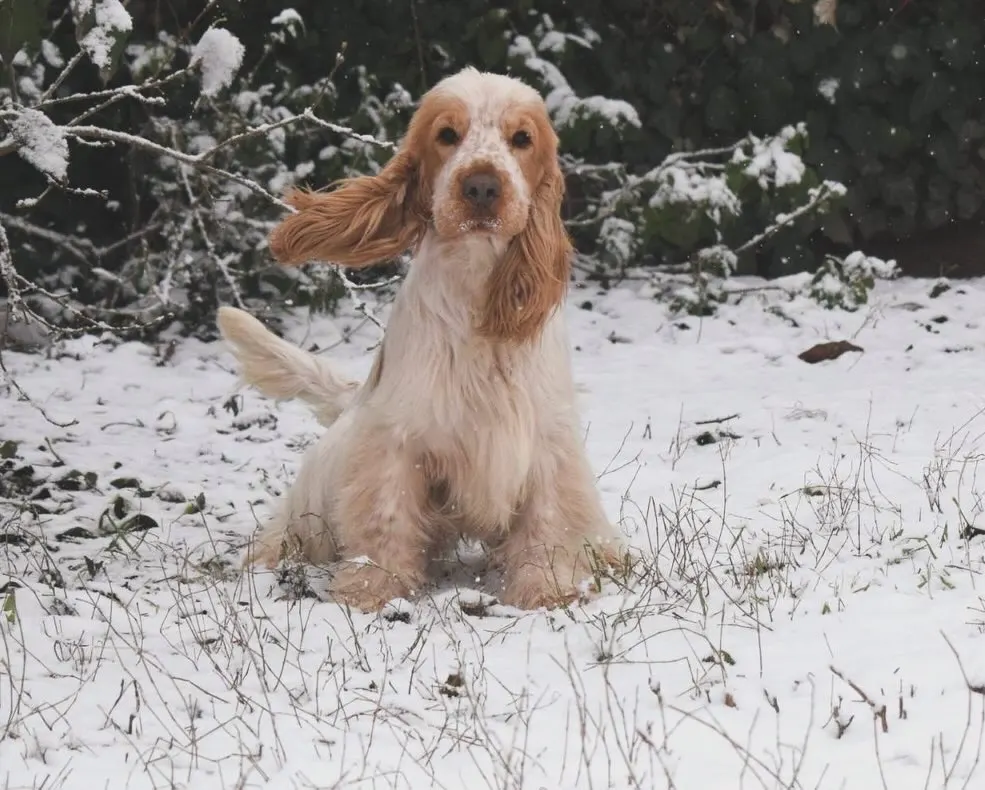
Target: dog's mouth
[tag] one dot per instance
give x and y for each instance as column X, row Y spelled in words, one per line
column 481, row 225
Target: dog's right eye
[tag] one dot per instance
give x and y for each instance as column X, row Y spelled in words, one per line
column 448, row 136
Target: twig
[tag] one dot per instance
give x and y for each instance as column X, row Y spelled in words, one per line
column 13, row 300
column 308, row 114
column 973, row 688
column 195, row 160
column 209, row 246
column 72, row 63
column 879, row 711
column 817, row 195
column 71, row 244
column 716, row 420
column 125, row 91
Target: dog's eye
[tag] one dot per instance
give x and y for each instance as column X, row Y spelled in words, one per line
column 448, row 136
column 521, row 139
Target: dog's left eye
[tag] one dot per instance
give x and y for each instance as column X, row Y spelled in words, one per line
column 448, row 136
column 521, row 139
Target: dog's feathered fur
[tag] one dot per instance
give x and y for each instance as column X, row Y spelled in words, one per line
column 466, row 424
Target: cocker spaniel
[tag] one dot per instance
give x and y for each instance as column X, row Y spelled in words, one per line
column 467, row 423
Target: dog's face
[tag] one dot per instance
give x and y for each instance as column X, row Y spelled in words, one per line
column 479, row 157
column 485, row 146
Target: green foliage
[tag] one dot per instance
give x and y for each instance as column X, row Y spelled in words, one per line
column 711, row 209
column 845, row 284
column 890, row 96
column 9, row 607
column 22, row 23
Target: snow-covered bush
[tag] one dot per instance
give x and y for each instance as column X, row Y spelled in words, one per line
column 699, row 212
column 217, row 140
column 197, row 136
column 695, row 216
column 845, row 284
column 575, row 117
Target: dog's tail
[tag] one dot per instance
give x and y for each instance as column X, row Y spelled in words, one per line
column 283, row 371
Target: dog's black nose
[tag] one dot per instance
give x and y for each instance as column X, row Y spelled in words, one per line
column 481, row 189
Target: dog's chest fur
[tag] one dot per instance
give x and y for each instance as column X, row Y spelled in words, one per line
column 472, row 409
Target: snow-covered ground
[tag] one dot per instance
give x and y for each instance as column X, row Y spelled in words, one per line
column 810, row 555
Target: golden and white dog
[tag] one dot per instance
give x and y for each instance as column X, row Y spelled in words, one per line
column 467, row 423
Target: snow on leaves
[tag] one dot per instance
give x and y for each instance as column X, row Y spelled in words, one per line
column 287, row 24
column 40, row 142
column 102, row 28
column 21, row 22
column 219, row 55
column 565, row 106
column 685, row 183
column 770, row 160
column 845, row 284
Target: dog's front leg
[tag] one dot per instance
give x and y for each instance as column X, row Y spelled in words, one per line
column 559, row 533
column 385, row 525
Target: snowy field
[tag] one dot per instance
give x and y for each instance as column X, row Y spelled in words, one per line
column 807, row 610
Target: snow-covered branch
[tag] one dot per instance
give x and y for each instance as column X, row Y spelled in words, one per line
column 698, row 212
column 213, row 200
column 816, row 198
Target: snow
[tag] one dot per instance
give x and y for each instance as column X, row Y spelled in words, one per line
column 146, row 58
column 678, row 184
column 770, row 159
column 287, row 23
column 828, row 87
column 40, row 142
column 51, row 54
column 219, row 54
column 826, row 12
column 287, row 17
column 553, row 41
column 858, row 264
column 721, row 258
column 822, row 530
column 563, row 104
column 618, row 237
column 109, row 20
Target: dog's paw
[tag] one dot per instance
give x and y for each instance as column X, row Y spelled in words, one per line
column 533, row 593
column 610, row 559
column 366, row 587
column 259, row 554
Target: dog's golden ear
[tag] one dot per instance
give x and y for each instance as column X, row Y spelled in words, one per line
column 364, row 221
column 530, row 283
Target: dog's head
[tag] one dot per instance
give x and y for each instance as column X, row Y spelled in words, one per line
column 479, row 157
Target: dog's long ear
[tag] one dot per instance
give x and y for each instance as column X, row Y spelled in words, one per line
column 530, row 283
column 364, row 221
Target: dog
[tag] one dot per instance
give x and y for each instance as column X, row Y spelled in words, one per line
column 467, row 423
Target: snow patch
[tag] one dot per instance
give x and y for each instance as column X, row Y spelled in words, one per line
column 40, row 143
column 563, row 104
column 770, row 160
column 51, row 54
column 828, row 87
column 109, row 20
column 219, row 55
column 618, row 238
column 287, row 23
column 287, row 17
column 683, row 185
column 820, row 523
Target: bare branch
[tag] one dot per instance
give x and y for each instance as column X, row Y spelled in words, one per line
column 818, row 195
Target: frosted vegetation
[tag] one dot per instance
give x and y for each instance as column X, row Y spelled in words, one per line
column 804, row 605
column 216, row 176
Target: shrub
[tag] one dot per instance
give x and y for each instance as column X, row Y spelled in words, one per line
column 146, row 163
